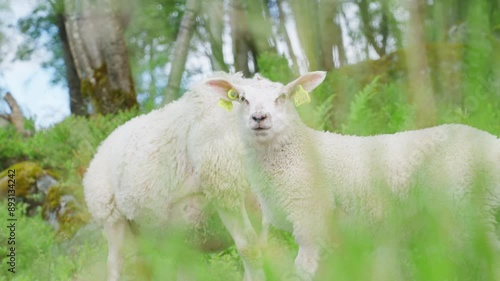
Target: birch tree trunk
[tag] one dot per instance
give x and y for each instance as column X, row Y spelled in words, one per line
column 214, row 27
column 260, row 27
column 368, row 30
column 307, row 23
column 240, row 34
column 286, row 37
column 181, row 50
column 418, row 69
column 340, row 48
column 329, row 32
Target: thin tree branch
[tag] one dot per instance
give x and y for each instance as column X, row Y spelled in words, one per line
column 16, row 116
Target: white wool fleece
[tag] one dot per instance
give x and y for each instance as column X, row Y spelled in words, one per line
column 154, row 160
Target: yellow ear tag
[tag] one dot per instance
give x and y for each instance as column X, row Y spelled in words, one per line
column 301, row 96
column 232, row 94
column 227, row 105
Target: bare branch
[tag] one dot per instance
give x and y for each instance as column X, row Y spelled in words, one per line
column 16, row 116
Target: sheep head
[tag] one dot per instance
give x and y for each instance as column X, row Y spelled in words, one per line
column 266, row 107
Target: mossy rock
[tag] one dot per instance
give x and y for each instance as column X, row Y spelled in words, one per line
column 38, row 187
column 62, row 210
column 26, row 174
column 31, row 184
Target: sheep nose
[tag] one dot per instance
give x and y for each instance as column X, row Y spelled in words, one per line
column 259, row 117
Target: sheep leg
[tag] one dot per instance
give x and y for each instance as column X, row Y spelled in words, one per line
column 239, row 226
column 264, row 232
column 115, row 234
column 306, row 262
column 312, row 239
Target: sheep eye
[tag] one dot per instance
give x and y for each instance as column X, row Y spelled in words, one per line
column 243, row 100
column 281, row 98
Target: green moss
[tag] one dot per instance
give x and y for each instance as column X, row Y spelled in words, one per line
column 70, row 217
column 52, row 201
column 25, row 178
column 86, row 88
column 103, row 98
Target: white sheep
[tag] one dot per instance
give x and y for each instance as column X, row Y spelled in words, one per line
column 302, row 175
column 165, row 167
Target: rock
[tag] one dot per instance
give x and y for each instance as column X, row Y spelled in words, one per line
column 31, row 184
column 45, row 182
column 26, row 174
column 38, row 187
column 61, row 210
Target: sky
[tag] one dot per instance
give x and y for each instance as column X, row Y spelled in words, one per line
column 27, row 81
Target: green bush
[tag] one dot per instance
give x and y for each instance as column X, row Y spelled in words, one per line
column 66, row 147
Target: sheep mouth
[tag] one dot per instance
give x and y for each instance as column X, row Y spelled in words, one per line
column 261, row 128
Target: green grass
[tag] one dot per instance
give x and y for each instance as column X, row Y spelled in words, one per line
column 422, row 238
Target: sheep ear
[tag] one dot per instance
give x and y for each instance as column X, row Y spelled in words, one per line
column 258, row 76
column 225, row 90
column 309, row 81
column 220, row 86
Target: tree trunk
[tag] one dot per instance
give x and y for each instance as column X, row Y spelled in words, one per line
column 181, row 50
column 306, row 20
column 77, row 104
column 214, row 28
column 367, row 28
column 116, row 59
column 239, row 33
column 340, row 48
column 327, row 11
column 75, row 40
column 100, row 55
column 419, row 79
column 260, row 27
column 384, row 24
column 284, row 32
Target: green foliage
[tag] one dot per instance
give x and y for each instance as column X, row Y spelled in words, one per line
column 361, row 111
column 40, row 30
column 325, row 113
column 150, row 37
column 275, row 68
column 4, row 10
column 38, row 254
column 12, row 147
column 378, row 109
column 66, row 147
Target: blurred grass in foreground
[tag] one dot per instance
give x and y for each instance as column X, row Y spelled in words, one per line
column 425, row 237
